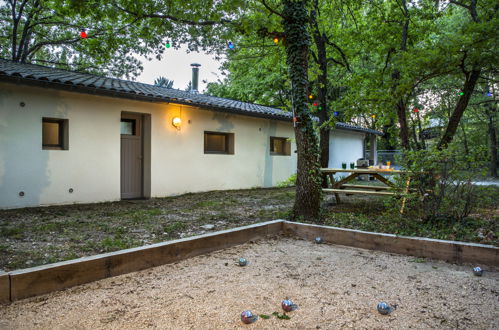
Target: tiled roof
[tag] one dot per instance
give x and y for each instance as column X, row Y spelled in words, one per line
column 88, row 83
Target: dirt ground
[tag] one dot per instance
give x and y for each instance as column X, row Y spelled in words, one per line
column 335, row 287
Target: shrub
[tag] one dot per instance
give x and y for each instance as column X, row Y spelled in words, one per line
column 289, row 182
column 441, row 185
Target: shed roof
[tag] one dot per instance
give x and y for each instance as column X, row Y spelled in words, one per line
column 88, row 83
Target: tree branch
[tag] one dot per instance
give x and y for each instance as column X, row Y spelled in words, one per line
column 173, row 18
column 459, row 4
column 264, row 3
column 338, row 48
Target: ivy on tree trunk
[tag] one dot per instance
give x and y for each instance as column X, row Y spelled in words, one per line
column 308, row 189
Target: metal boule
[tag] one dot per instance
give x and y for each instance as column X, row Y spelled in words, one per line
column 248, row 317
column 288, row 306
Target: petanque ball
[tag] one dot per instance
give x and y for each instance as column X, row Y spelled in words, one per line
column 242, row 262
column 319, row 240
column 288, row 306
column 384, row 308
column 478, row 271
column 248, row 317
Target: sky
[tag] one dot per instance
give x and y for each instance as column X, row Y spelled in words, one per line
column 176, row 65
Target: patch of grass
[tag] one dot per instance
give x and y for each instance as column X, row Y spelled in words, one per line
column 281, row 316
column 209, row 204
column 175, row 227
column 110, row 244
column 12, row 232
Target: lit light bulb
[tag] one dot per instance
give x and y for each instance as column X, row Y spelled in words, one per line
column 176, row 122
column 83, row 33
column 276, row 40
column 168, row 45
column 230, row 45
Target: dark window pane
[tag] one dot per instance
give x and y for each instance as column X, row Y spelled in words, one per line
column 51, row 133
column 278, row 146
column 216, row 142
column 128, row 126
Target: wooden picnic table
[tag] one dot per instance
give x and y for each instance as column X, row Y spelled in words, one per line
column 341, row 186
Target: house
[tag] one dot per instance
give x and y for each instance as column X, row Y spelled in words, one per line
column 68, row 137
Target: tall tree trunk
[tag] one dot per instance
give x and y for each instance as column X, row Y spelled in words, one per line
column 401, row 106
column 308, row 189
column 492, row 144
column 322, row 93
column 462, row 104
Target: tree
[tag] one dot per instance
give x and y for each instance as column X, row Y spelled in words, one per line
column 308, row 192
column 163, row 82
column 48, row 32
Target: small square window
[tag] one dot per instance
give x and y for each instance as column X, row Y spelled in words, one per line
column 218, row 143
column 280, row 146
column 55, row 134
column 128, row 126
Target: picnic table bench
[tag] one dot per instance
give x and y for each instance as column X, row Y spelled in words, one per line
column 341, row 186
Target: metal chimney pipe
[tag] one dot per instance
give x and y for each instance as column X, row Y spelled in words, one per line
column 195, row 77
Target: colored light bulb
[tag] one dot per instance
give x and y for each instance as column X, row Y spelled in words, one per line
column 276, row 40
column 415, row 110
column 315, row 104
column 336, row 113
column 230, row 45
column 83, row 34
column 461, row 93
column 373, row 116
column 489, row 94
column 310, row 96
column 168, row 45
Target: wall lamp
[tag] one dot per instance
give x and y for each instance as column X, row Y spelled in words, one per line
column 176, row 122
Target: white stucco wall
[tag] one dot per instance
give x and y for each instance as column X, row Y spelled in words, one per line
column 345, row 147
column 91, row 166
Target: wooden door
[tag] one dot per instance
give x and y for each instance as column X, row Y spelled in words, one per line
column 131, row 156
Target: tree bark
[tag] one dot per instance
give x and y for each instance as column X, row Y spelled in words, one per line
column 401, row 106
column 308, row 190
column 492, row 144
column 322, row 93
column 462, row 104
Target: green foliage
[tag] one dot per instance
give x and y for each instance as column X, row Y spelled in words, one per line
column 289, row 182
column 163, row 82
column 443, row 185
column 281, row 316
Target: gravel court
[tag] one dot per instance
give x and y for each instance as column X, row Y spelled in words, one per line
column 334, row 286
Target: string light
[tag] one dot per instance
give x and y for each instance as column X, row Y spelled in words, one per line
column 336, row 113
column 315, row 104
column 83, row 33
column 489, row 94
column 415, row 110
column 461, row 93
column 168, row 45
column 276, row 40
column 373, row 116
column 310, row 96
column 230, row 45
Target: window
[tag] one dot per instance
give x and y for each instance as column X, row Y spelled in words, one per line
column 55, row 134
column 128, row 126
column 218, row 143
column 280, row 146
